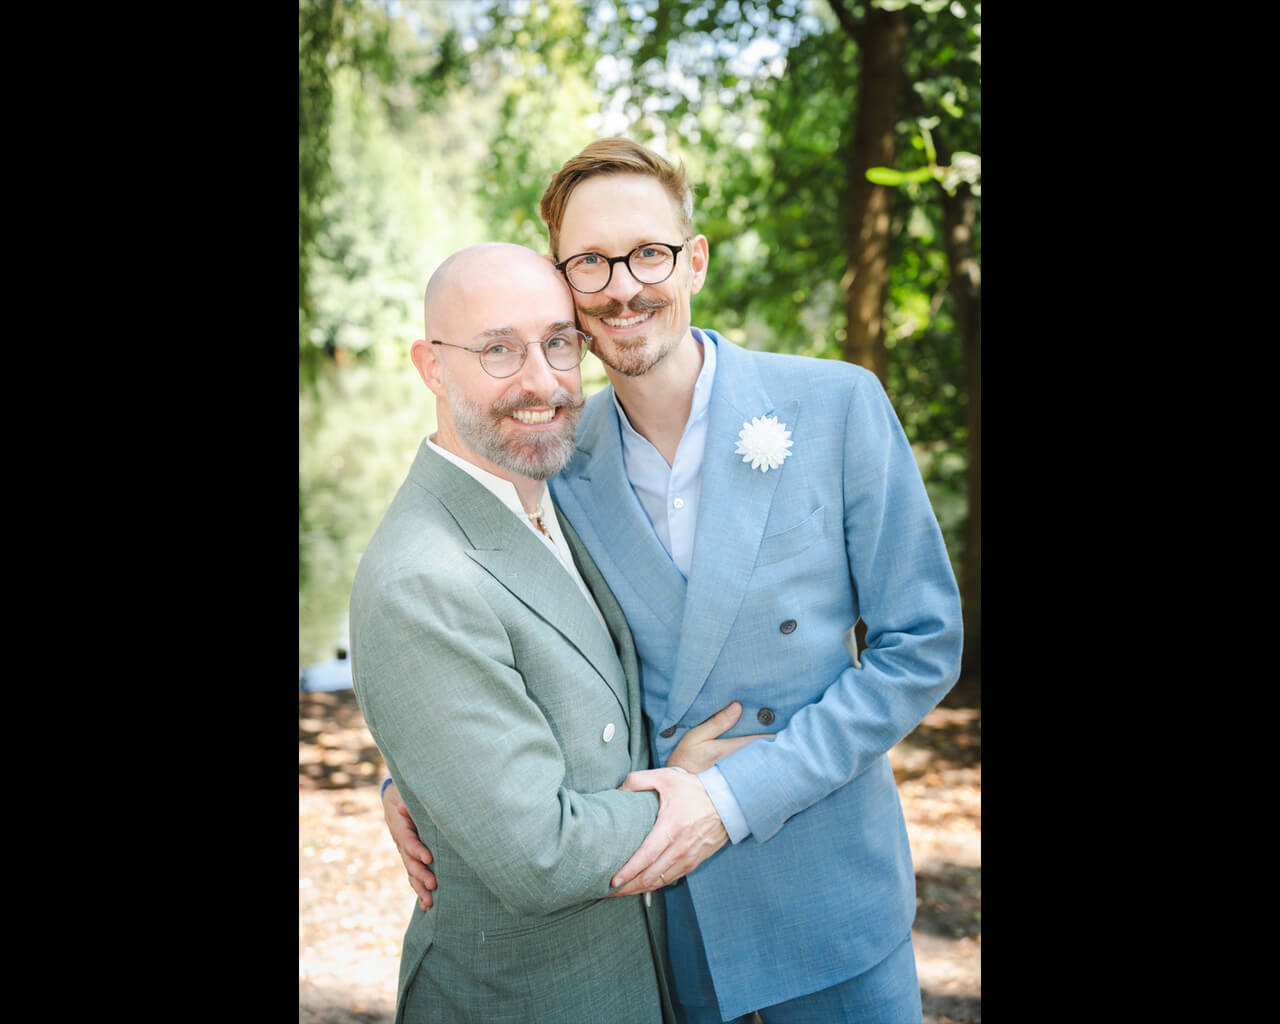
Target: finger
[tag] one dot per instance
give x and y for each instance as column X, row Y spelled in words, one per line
column 723, row 720
column 638, row 885
column 423, row 894
column 636, row 782
column 724, row 748
column 417, row 873
column 391, row 798
column 405, row 834
column 412, row 846
column 664, row 871
column 649, row 851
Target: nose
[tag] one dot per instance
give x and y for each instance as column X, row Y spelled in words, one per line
column 537, row 376
column 623, row 285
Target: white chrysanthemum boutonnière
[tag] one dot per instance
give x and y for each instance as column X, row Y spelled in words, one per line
column 764, row 442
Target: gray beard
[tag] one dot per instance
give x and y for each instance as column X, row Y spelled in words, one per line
column 538, row 457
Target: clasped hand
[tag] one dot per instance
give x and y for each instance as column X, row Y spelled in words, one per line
column 687, row 831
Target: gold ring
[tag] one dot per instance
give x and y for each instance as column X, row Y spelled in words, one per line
column 662, row 877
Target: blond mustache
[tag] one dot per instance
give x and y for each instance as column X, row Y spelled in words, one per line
column 637, row 305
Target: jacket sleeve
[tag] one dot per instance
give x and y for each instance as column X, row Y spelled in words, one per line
column 907, row 596
column 437, row 680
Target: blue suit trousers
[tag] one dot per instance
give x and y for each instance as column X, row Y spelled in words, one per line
column 888, row 993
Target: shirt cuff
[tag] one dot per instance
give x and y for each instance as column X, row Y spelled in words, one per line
column 726, row 804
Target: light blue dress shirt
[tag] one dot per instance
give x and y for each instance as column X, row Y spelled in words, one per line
column 669, row 496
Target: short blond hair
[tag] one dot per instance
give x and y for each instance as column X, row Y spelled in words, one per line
column 614, row 156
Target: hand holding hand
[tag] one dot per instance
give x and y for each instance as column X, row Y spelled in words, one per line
column 413, row 851
column 687, row 832
column 700, row 747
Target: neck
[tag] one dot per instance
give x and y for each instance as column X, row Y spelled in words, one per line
column 658, row 402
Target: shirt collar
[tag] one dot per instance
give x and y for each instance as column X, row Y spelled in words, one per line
column 503, row 490
column 701, row 387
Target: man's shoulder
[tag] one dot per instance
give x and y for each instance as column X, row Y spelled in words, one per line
column 789, row 371
column 416, row 534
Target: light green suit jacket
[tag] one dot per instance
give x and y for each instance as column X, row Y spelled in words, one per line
column 508, row 718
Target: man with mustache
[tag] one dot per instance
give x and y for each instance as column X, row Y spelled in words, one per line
column 747, row 509
column 497, row 675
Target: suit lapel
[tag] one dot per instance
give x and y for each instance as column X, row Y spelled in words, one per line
column 512, row 555
column 595, row 494
column 733, row 509
column 623, row 640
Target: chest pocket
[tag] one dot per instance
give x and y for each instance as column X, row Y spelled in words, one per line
column 792, row 540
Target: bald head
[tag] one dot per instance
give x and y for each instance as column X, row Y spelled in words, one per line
column 487, row 277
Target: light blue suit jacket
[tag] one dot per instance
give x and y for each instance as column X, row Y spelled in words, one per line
column 784, row 564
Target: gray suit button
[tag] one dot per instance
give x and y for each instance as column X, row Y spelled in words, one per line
column 608, row 732
column 765, row 716
column 667, row 733
column 789, row 626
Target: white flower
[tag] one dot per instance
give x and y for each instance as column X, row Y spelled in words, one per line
column 764, row 442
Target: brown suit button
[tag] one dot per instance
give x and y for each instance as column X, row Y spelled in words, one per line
column 765, row 716
column 667, row 733
column 789, row 626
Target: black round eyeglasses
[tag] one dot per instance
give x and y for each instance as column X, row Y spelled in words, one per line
column 650, row 263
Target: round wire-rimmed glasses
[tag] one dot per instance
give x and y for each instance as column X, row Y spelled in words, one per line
column 649, row 263
column 502, row 357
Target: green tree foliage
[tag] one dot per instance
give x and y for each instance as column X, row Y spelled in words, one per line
column 386, row 182
column 368, row 85
column 424, row 126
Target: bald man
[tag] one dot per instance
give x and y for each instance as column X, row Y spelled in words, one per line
column 499, row 679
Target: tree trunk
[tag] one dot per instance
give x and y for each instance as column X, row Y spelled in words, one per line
column 881, row 37
column 965, row 282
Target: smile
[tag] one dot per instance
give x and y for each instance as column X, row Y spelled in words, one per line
column 628, row 322
column 532, row 418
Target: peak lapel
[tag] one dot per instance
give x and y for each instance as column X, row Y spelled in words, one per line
column 620, row 632
column 512, row 555
column 594, row 493
column 732, row 512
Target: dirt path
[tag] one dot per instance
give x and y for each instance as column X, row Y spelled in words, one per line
column 354, row 899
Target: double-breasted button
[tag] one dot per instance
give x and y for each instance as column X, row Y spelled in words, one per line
column 789, row 626
column 668, row 732
column 764, row 716
column 608, row 732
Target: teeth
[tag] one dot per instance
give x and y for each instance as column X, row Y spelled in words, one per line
column 530, row 417
column 627, row 323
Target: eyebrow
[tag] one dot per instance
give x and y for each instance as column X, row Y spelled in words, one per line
column 511, row 332
column 600, row 249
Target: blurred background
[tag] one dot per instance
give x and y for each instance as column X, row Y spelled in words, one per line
column 833, row 146
column 834, row 150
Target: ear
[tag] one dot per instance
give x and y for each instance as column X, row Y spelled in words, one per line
column 426, row 361
column 699, row 255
